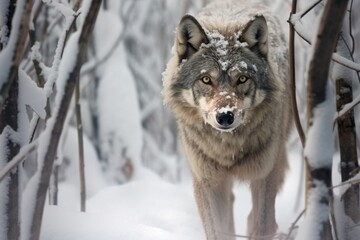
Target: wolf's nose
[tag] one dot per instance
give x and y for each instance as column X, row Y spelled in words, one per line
column 225, row 118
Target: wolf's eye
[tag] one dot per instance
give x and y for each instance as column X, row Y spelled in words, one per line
column 241, row 79
column 206, row 80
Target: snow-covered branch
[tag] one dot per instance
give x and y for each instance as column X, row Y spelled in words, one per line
column 11, row 55
column 346, row 108
column 19, row 158
column 69, row 71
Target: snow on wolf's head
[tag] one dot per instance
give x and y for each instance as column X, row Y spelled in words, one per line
column 221, row 76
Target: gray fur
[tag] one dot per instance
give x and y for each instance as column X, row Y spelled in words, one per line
column 240, row 40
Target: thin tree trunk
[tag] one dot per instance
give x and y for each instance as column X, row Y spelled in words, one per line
column 344, row 79
column 320, row 172
column 9, row 91
column 348, row 154
column 81, row 148
column 8, row 127
column 15, row 46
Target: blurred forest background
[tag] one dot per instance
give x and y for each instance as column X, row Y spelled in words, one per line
column 99, row 99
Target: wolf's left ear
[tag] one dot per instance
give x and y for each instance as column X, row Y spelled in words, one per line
column 256, row 35
column 189, row 37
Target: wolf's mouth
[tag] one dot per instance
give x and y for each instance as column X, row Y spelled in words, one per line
column 225, row 129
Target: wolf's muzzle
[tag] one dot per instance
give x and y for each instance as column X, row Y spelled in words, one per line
column 225, row 119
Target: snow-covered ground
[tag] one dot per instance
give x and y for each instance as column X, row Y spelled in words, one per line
column 149, row 208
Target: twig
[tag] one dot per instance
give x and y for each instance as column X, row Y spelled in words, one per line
column 309, row 8
column 272, row 236
column 81, row 148
column 351, row 54
column 18, row 158
column 345, row 62
column 333, row 219
column 346, row 108
column 293, row 225
column 350, row 28
column 351, row 182
column 292, row 77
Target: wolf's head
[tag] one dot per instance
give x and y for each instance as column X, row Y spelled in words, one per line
column 223, row 74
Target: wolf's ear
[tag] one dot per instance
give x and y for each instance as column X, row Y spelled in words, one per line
column 256, row 35
column 189, row 37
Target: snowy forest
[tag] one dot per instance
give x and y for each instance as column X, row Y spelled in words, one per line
column 89, row 151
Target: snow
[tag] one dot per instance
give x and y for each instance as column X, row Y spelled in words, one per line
column 217, row 41
column 150, row 208
column 27, row 91
column 35, row 52
column 94, row 177
column 254, row 67
column 241, row 44
column 4, row 184
column 7, row 54
column 147, row 209
column 319, row 145
column 220, row 43
column 243, row 65
column 318, row 212
column 226, row 109
column 65, row 10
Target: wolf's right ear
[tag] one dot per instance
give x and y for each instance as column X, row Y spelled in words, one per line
column 189, row 37
column 256, row 35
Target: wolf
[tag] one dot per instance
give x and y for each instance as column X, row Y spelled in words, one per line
column 227, row 85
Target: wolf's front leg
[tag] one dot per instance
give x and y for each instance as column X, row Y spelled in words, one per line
column 261, row 221
column 215, row 199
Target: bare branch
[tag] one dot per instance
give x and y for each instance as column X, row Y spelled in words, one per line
column 309, row 8
column 81, row 148
column 293, row 225
column 292, row 77
column 350, row 28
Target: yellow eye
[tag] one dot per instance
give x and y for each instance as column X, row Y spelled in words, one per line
column 242, row 79
column 206, row 80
